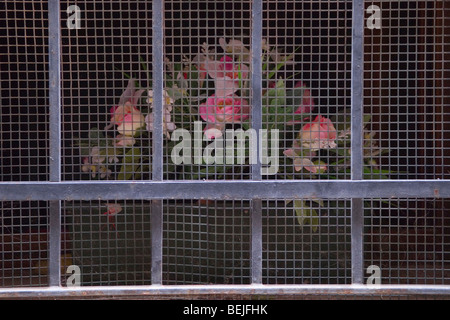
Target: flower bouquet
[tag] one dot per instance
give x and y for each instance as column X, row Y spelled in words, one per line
column 208, row 134
column 211, row 92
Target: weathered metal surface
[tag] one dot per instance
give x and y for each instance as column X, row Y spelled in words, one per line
column 264, row 290
column 101, row 190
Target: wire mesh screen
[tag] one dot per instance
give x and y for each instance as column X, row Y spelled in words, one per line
column 24, row 243
column 203, row 73
column 307, row 242
column 24, row 140
column 111, row 242
column 406, row 91
column 306, row 83
column 222, row 104
column 408, row 240
column 24, row 91
column 105, row 67
column 206, row 242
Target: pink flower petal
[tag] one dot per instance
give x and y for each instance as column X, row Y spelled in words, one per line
column 213, row 131
column 289, row 153
column 225, row 86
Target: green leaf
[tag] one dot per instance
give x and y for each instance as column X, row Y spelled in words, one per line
column 306, row 214
column 192, row 82
column 96, row 134
column 209, row 171
column 175, row 93
column 112, row 152
column 131, row 164
column 277, row 102
column 245, row 125
column 85, row 150
column 279, row 105
column 278, row 91
column 342, row 120
column 314, row 221
column 372, row 173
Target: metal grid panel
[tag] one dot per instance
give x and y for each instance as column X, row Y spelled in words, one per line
column 24, row 91
column 98, row 60
column 207, row 241
column 224, row 240
column 24, row 136
column 24, row 244
column 200, row 37
column 307, row 244
column 197, row 61
column 405, row 91
column 306, row 76
column 110, row 241
column 408, row 239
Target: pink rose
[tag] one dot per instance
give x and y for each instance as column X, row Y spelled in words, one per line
column 126, row 115
column 128, row 119
column 217, row 112
column 227, row 74
column 319, row 134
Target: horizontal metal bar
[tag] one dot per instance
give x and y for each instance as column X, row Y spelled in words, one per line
column 254, row 289
column 128, row 190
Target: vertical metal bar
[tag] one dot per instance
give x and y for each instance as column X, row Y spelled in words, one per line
column 256, row 80
column 256, row 241
column 158, row 87
column 357, row 82
column 256, row 67
column 54, row 45
column 157, row 143
column 157, row 243
column 357, row 226
column 54, row 245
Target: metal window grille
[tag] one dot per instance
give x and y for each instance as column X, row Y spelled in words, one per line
column 379, row 198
